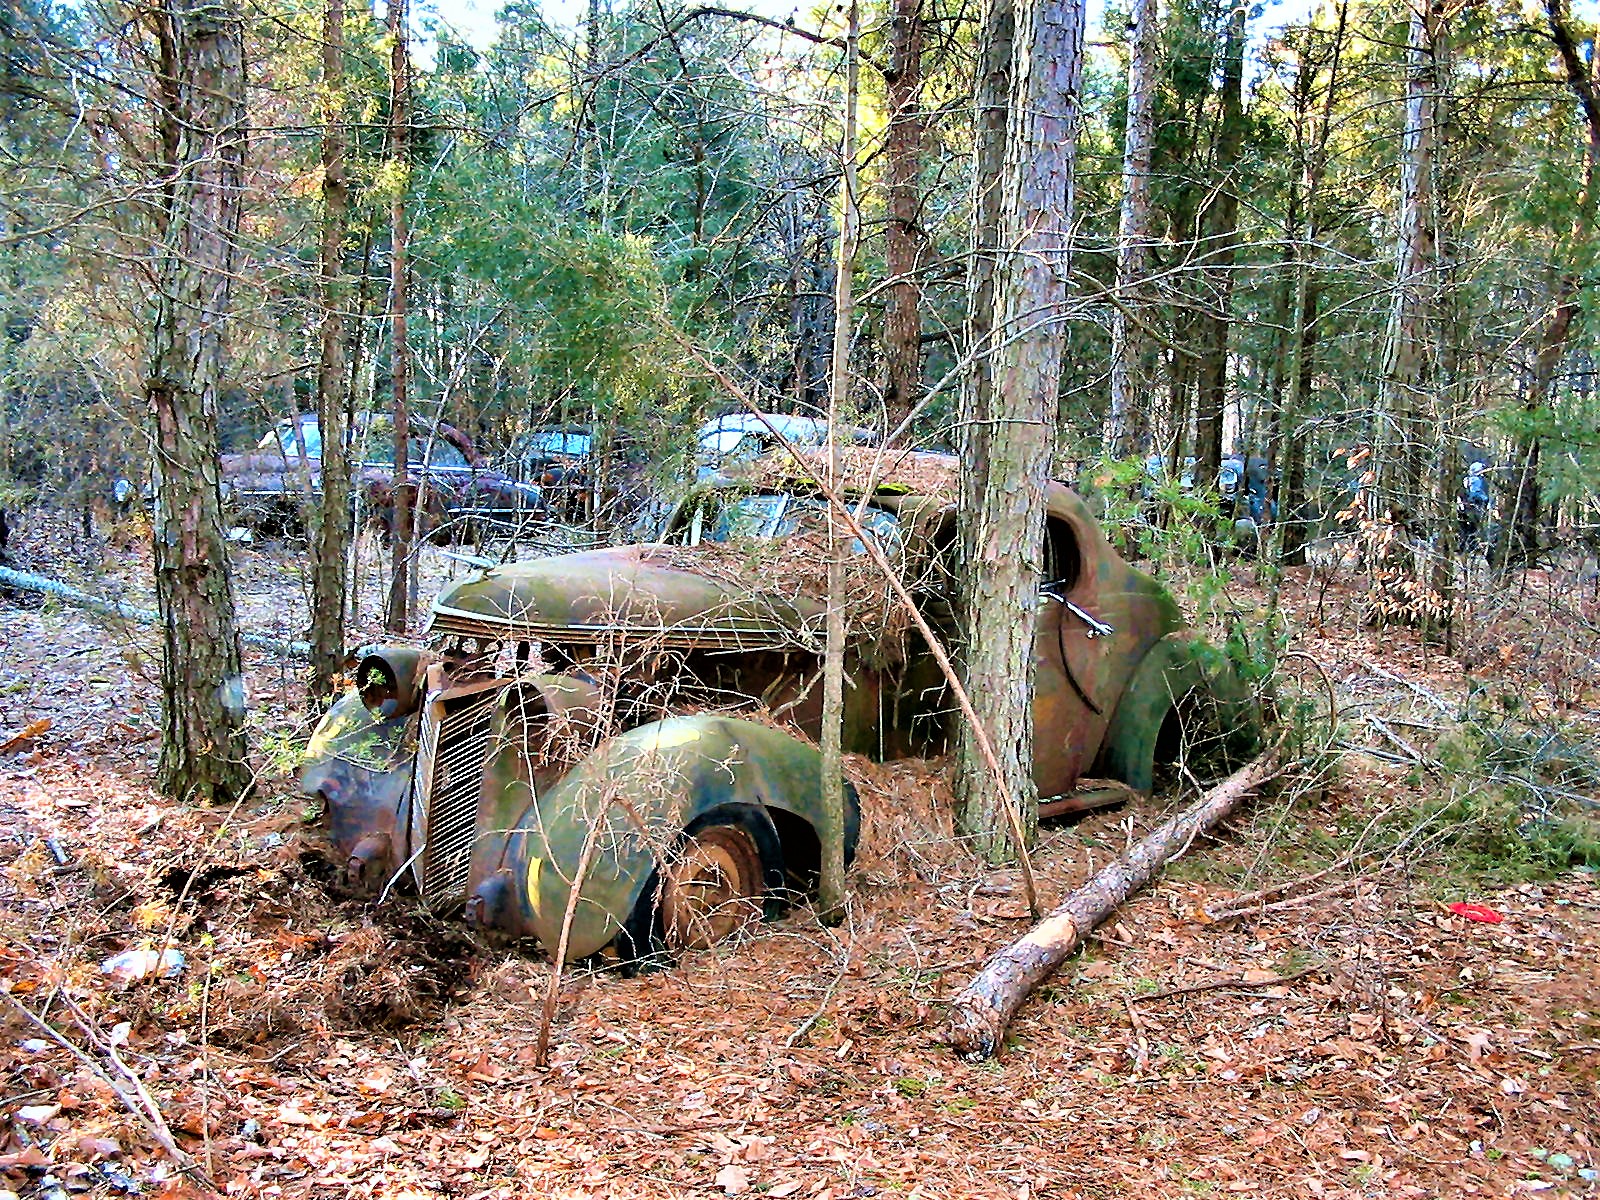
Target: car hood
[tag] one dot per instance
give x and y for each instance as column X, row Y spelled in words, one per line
column 645, row 592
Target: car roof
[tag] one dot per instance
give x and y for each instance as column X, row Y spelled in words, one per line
column 789, row 426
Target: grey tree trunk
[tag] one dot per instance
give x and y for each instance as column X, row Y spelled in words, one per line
column 1132, row 356
column 201, row 121
column 1399, row 441
column 830, row 897
column 1010, row 411
column 329, row 567
column 905, row 243
column 399, row 607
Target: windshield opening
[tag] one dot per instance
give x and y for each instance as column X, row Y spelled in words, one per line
column 281, row 439
column 781, row 515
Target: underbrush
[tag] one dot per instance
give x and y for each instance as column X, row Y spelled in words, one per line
column 1493, row 808
column 1524, row 802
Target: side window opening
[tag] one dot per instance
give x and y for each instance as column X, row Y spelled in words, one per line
column 1063, row 562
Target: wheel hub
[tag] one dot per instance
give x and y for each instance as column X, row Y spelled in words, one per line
column 712, row 890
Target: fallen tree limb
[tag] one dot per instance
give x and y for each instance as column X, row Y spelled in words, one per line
column 24, row 581
column 980, row 1014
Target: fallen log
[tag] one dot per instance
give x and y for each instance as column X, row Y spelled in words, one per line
column 980, row 1014
column 24, row 581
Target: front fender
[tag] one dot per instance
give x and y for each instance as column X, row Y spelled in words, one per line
column 359, row 764
column 1178, row 666
column 638, row 791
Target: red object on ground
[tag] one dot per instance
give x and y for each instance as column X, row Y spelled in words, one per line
column 1476, row 912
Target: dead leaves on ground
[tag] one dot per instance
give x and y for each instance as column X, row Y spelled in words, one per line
column 1424, row 1054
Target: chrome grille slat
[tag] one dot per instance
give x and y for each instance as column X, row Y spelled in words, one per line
column 452, row 752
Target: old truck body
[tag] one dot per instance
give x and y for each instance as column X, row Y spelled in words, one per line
column 621, row 741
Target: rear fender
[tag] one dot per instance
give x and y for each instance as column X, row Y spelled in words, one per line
column 1177, row 667
column 638, row 791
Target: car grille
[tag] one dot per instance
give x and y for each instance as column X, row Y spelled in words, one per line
column 452, row 749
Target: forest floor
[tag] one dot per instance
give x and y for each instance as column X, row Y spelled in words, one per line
column 1349, row 1036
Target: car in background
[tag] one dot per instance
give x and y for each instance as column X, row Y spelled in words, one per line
column 554, row 454
column 738, row 438
column 558, row 459
column 272, row 487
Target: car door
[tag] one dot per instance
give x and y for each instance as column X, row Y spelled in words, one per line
column 1072, row 702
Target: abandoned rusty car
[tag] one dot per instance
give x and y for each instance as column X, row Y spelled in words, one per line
column 640, row 721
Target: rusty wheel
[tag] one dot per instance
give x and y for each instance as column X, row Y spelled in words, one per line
column 713, row 889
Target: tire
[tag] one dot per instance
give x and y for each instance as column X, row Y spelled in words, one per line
column 720, row 874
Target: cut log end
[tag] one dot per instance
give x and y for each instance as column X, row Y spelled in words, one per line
column 975, row 1030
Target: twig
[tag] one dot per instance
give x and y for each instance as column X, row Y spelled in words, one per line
column 827, row 996
column 140, row 1103
column 1238, row 906
column 1438, row 702
column 1142, row 1058
column 1290, row 902
column 547, row 1013
column 1327, row 685
column 205, row 1059
column 1249, row 900
column 1416, row 756
column 1216, row 984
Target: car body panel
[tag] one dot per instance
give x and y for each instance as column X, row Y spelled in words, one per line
column 632, row 797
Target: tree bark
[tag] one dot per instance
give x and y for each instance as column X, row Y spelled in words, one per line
column 329, row 568
column 1399, row 441
column 905, row 243
column 1557, row 332
column 980, row 1014
column 1221, row 238
column 399, row 608
column 1010, row 421
column 201, row 118
column 830, row 897
column 1132, row 357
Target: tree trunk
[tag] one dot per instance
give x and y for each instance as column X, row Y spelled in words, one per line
column 1132, row 357
column 905, row 243
column 399, row 609
column 1553, row 339
column 1011, row 417
column 1292, row 502
column 202, row 127
column 329, row 568
column 976, row 803
column 1311, row 134
column 1221, row 237
column 980, row 1014
column 1399, row 441
column 830, row 898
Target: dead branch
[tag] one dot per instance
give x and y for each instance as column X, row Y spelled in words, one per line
column 1213, row 985
column 1400, row 743
column 980, row 1014
column 1433, row 698
column 130, row 1089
